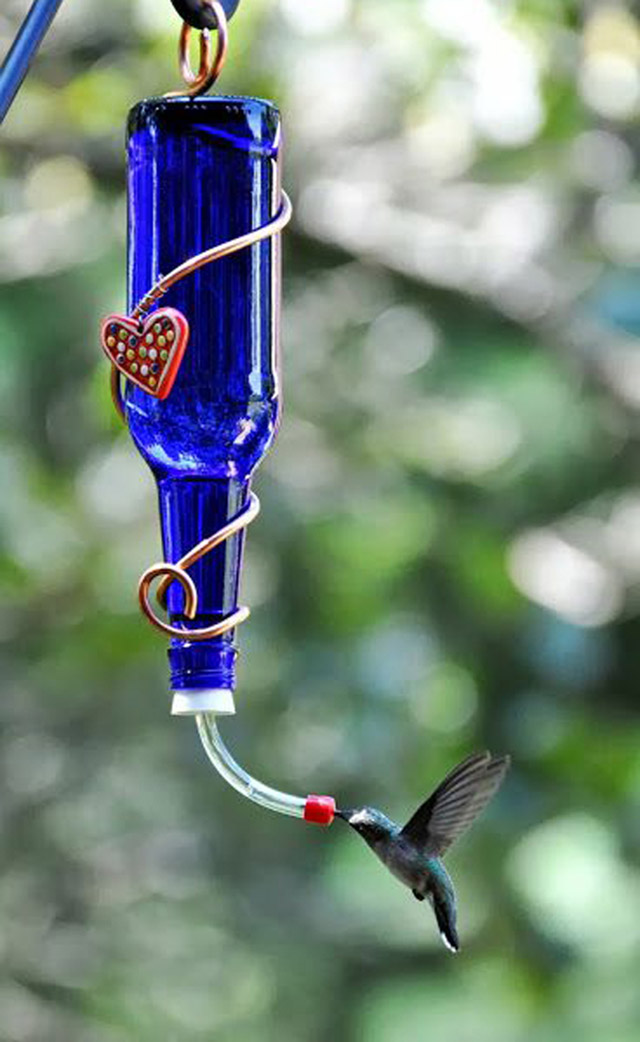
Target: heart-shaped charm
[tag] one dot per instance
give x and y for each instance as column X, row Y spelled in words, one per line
column 147, row 352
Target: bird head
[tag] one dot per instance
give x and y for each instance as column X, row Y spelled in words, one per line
column 368, row 822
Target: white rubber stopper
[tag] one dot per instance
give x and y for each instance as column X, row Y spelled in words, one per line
column 213, row 700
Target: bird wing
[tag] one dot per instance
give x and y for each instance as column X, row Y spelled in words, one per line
column 456, row 803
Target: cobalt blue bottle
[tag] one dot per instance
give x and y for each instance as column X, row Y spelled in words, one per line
column 203, row 171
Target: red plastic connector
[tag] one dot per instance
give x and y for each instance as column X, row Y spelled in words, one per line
column 320, row 810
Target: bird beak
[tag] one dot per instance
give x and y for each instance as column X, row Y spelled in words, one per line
column 346, row 815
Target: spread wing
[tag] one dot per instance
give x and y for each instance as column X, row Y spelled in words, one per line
column 456, row 803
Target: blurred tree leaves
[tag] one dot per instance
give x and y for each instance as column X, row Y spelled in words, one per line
column 448, row 555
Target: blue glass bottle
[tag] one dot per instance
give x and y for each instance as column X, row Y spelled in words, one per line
column 202, row 171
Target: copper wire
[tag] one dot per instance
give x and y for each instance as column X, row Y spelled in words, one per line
column 214, row 253
column 176, row 572
column 188, row 267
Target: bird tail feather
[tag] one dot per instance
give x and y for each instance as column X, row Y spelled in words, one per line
column 447, row 927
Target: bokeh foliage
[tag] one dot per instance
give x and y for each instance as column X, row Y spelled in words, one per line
column 448, row 556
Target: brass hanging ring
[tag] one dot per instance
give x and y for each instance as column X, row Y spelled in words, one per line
column 210, row 65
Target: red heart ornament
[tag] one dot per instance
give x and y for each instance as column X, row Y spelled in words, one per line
column 147, row 352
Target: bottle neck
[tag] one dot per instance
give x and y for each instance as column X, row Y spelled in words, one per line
column 193, row 509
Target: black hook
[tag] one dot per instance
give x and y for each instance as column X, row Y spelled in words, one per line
column 199, row 15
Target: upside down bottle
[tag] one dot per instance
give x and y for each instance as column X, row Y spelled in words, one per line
column 201, row 172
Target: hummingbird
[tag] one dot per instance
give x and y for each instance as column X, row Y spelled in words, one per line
column 413, row 854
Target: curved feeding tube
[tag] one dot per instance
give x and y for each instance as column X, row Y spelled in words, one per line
column 318, row 810
column 232, row 772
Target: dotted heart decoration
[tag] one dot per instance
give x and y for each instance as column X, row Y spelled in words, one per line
column 148, row 353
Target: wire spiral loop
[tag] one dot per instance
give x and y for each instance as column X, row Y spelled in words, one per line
column 177, row 573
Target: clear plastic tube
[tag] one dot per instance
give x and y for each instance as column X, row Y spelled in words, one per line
column 224, row 763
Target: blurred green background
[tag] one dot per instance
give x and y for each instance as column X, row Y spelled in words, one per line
column 448, row 556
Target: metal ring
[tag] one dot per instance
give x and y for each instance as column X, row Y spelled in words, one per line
column 210, row 67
